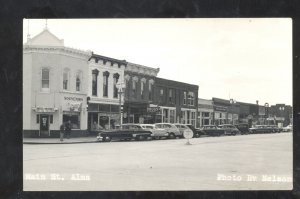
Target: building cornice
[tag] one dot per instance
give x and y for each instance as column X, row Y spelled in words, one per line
column 140, row 69
column 61, row 50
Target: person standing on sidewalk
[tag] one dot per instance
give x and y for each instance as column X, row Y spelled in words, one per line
column 68, row 129
column 62, row 132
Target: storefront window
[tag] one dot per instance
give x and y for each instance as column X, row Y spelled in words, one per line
column 166, row 115
column 193, row 119
column 172, row 116
column 74, row 118
column 183, row 117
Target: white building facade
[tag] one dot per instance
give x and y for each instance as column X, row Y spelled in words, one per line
column 205, row 112
column 104, row 76
column 54, row 86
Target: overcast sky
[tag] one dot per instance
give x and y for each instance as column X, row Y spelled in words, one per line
column 243, row 59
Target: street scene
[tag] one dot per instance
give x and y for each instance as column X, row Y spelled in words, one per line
column 188, row 107
column 242, row 162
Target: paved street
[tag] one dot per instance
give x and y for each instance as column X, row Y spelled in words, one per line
column 243, row 162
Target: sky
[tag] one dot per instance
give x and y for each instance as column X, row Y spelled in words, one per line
column 245, row 59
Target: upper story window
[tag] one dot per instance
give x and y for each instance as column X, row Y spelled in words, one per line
column 45, row 79
column 94, row 82
column 66, row 75
column 184, row 98
column 78, row 81
column 161, row 95
column 150, row 88
column 105, row 83
column 191, row 98
column 116, row 79
column 170, row 95
column 143, row 83
column 134, row 83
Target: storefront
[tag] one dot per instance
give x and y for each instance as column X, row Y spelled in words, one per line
column 220, row 115
column 105, row 115
column 188, row 116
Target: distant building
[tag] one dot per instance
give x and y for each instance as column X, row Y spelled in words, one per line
column 205, row 112
column 281, row 114
column 54, row 86
column 139, row 81
column 177, row 101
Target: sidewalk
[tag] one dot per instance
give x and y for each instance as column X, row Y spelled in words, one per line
column 75, row 140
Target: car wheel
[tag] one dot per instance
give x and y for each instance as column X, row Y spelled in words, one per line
column 107, row 139
column 157, row 137
column 172, row 136
column 197, row 135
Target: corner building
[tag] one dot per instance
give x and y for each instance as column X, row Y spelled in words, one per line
column 54, row 86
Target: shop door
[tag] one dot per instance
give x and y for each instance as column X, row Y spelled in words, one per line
column 44, row 125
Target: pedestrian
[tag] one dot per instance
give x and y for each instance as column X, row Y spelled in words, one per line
column 62, row 131
column 68, row 129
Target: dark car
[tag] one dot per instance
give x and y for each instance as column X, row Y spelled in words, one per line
column 275, row 129
column 229, row 129
column 127, row 132
column 197, row 132
column 212, row 130
column 262, row 129
column 243, row 128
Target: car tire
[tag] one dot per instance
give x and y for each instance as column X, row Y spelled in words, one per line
column 172, row 136
column 197, row 135
column 107, row 139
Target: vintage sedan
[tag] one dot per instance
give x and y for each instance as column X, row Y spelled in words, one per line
column 261, row 129
column 212, row 130
column 229, row 129
column 157, row 133
column 172, row 130
column 183, row 128
column 197, row 132
column 243, row 128
column 126, row 132
column 288, row 128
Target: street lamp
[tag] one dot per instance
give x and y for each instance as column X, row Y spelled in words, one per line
column 232, row 102
column 120, row 87
column 266, row 111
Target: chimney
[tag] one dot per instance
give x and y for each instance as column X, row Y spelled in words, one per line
column 256, row 102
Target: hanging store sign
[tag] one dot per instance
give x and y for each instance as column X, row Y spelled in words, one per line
column 44, row 110
column 220, row 108
column 74, row 107
column 153, row 109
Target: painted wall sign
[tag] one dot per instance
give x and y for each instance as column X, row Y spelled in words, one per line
column 73, row 98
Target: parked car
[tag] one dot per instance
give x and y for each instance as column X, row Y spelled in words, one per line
column 127, row 132
column 212, row 130
column 183, row 128
column 197, row 132
column 261, row 129
column 156, row 132
column 288, row 128
column 243, row 128
column 172, row 130
column 274, row 128
column 229, row 129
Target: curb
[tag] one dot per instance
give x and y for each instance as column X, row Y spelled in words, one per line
column 80, row 142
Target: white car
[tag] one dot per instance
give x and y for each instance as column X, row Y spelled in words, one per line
column 184, row 128
column 156, row 132
column 172, row 130
column 288, row 128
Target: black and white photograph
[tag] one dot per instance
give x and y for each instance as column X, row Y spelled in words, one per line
column 185, row 104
